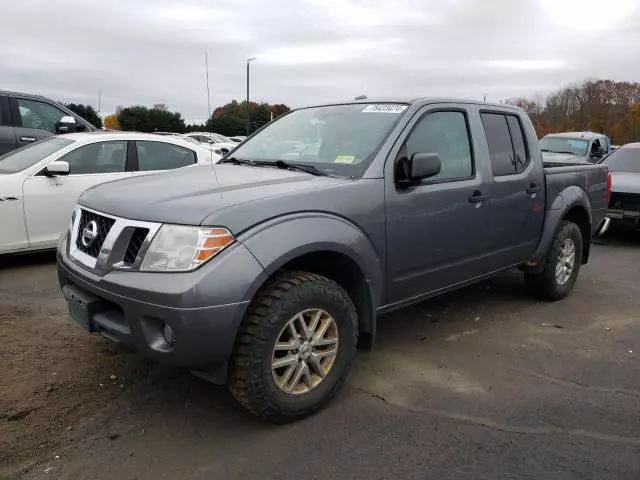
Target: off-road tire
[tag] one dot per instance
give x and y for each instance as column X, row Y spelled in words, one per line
column 251, row 380
column 544, row 285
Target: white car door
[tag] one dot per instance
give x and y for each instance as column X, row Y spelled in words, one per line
column 13, row 232
column 49, row 201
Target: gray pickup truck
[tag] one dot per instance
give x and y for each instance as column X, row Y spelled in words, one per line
column 266, row 271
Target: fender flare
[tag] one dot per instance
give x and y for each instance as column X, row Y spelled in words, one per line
column 567, row 199
column 278, row 241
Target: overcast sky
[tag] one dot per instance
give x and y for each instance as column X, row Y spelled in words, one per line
column 152, row 51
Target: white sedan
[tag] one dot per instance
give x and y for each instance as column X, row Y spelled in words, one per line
column 221, row 144
column 40, row 183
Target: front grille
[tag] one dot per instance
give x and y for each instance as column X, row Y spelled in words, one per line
column 103, row 225
column 137, row 239
column 625, row 201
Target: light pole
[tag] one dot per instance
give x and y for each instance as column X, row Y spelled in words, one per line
column 249, row 60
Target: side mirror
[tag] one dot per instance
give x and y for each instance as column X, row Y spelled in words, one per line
column 67, row 124
column 424, row 165
column 57, row 168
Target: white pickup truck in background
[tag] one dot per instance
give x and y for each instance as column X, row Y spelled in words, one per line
column 40, row 183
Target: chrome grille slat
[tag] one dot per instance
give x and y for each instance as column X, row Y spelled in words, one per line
column 121, row 246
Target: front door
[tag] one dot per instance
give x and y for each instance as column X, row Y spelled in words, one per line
column 437, row 230
column 34, row 120
column 49, row 201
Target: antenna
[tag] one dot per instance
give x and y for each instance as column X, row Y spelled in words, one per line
column 206, row 66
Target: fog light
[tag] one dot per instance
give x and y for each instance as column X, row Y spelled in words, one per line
column 167, row 332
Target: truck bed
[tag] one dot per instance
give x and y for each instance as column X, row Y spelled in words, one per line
column 590, row 178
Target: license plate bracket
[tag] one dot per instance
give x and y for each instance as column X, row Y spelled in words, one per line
column 82, row 306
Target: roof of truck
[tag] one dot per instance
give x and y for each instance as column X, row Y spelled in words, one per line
column 416, row 100
column 585, row 135
column 22, row 94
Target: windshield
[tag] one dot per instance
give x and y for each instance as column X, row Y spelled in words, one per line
column 18, row 160
column 575, row 146
column 336, row 139
column 624, row 160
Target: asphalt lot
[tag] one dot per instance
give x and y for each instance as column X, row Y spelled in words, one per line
column 485, row 383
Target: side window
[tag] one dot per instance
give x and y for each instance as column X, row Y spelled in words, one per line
column 519, row 147
column 596, row 145
column 100, row 157
column 446, row 134
column 500, row 147
column 163, row 156
column 39, row 115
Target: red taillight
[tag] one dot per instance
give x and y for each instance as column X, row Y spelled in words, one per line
column 608, row 194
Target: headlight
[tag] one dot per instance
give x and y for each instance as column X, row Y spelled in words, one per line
column 177, row 248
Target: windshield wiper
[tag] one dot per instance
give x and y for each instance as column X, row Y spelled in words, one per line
column 561, row 151
column 238, row 161
column 301, row 167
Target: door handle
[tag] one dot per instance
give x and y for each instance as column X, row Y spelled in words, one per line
column 28, row 139
column 533, row 189
column 478, row 197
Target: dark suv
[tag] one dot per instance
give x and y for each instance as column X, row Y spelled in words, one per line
column 26, row 118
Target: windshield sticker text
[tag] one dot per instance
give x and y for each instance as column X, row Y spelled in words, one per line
column 345, row 159
column 384, row 108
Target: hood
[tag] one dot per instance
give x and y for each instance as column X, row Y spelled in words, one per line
column 191, row 194
column 553, row 157
column 623, row 182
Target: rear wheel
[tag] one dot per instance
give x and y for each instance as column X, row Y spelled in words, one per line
column 562, row 265
column 294, row 348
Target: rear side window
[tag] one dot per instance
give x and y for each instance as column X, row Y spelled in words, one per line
column 519, row 147
column 500, row 147
column 507, row 144
column 163, row 156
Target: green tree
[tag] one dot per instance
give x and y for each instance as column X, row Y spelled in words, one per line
column 143, row 119
column 87, row 112
column 231, row 119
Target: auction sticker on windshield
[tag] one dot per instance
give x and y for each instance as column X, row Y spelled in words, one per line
column 345, row 159
column 384, row 108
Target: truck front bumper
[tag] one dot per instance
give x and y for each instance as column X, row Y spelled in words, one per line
column 175, row 318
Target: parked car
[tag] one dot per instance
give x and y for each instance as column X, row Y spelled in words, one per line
column 624, row 207
column 26, row 118
column 41, row 182
column 265, row 273
column 574, row 148
column 221, row 144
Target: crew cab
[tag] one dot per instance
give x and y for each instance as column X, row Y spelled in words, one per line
column 26, row 118
column 41, row 182
column 268, row 270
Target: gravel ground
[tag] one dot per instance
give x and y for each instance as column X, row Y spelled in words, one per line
column 482, row 383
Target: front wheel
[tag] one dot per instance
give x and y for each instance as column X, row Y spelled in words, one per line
column 562, row 265
column 294, row 347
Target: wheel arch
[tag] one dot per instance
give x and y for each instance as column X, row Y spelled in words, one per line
column 572, row 204
column 326, row 245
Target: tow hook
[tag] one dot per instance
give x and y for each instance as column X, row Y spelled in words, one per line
column 603, row 227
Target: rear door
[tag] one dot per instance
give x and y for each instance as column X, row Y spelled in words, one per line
column 34, row 119
column 49, row 202
column 517, row 190
column 437, row 230
column 7, row 131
